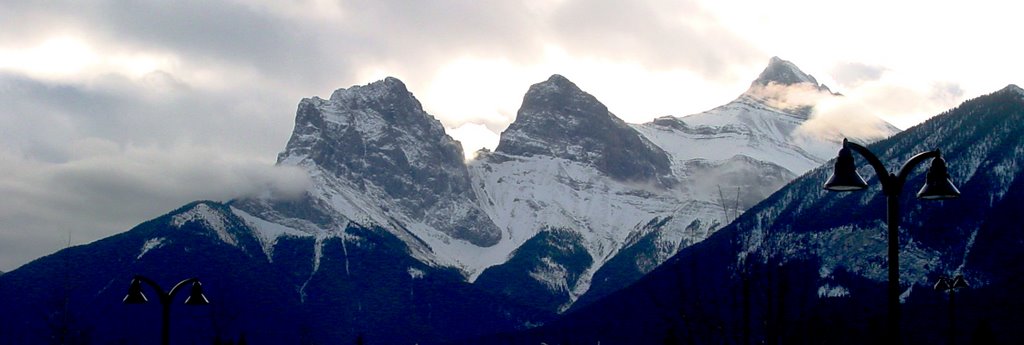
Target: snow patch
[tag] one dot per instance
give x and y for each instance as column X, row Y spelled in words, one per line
column 967, row 251
column 416, row 273
column 551, row 274
column 318, row 246
column 213, row 219
column 829, row 291
column 151, row 244
column 906, row 294
column 267, row 232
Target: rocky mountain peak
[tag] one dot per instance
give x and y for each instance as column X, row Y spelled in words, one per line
column 389, row 97
column 389, row 86
column 376, row 139
column 782, row 72
column 557, row 92
column 560, row 120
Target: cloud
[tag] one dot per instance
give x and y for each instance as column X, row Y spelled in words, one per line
column 853, row 74
column 472, row 136
column 844, row 117
column 866, row 111
column 659, row 34
column 94, row 158
column 789, row 96
column 830, row 117
column 106, row 189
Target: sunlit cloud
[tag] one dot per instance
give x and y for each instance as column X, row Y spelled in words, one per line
column 69, row 58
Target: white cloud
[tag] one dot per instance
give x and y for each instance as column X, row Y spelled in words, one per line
column 473, row 137
column 105, row 189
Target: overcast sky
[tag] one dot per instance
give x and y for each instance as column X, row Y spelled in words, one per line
column 114, row 112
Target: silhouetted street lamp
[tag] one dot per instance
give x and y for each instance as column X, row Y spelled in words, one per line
column 937, row 187
column 135, row 296
column 950, row 285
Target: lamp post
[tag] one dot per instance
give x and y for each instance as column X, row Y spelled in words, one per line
column 937, row 187
column 195, row 297
column 950, row 285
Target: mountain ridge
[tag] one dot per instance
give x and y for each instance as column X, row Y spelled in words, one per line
column 529, row 227
column 804, row 277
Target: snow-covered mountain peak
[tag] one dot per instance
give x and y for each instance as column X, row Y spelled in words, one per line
column 556, row 84
column 785, row 73
column 387, row 89
column 557, row 119
column 560, row 99
column 770, row 122
column 377, row 158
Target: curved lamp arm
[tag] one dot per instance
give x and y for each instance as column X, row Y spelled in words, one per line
column 165, row 295
column 883, row 174
column 913, row 162
column 892, row 184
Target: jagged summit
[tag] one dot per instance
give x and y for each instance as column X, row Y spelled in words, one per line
column 381, row 89
column 555, row 84
column 558, row 93
column 785, row 73
column 385, row 96
column 384, row 108
column 377, row 141
column 558, row 119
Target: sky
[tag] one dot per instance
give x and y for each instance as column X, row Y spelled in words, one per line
column 115, row 112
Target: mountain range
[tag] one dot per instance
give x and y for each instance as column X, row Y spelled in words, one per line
column 399, row 238
column 808, row 266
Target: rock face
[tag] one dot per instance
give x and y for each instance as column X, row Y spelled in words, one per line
column 809, row 266
column 559, row 120
column 376, row 140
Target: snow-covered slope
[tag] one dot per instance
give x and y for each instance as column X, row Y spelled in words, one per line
column 809, row 266
column 762, row 123
column 569, row 188
column 376, row 158
column 726, row 160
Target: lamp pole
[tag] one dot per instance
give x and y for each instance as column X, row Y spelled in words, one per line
column 135, row 296
column 937, row 187
column 950, row 285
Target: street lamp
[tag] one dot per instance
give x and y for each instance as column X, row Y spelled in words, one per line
column 195, row 297
column 937, row 187
column 950, row 285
